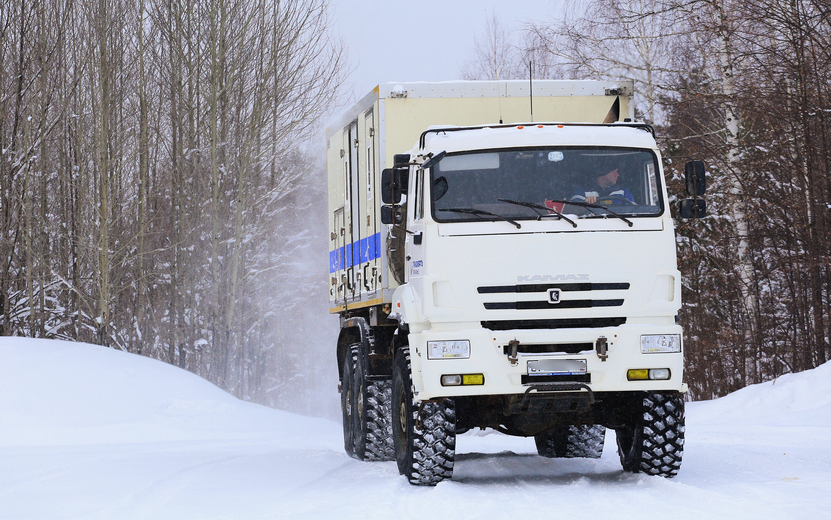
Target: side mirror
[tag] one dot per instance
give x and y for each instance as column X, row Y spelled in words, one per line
column 389, row 195
column 391, row 215
column 401, row 171
column 695, row 178
column 693, row 208
column 400, row 159
column 394, row 184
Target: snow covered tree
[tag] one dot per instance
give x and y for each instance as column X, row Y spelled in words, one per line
column 148, row 148
column 612, row 39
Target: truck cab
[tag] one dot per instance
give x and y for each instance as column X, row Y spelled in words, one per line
column 514, row 277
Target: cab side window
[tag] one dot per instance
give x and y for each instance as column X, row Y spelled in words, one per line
column 418, row 201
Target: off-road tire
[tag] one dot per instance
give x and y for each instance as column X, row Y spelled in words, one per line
column 580, row 440
column 347, row 400
column 653, row 442
column 424, row 434
column 373, row 419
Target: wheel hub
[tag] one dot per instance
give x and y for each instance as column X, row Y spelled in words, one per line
column 402, row 416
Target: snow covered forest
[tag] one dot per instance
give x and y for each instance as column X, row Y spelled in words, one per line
column 742, row 85
column 158, row 193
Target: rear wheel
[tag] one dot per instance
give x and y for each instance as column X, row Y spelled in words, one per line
column 347, row 400
column 653, row 441
column 424, row 434
column 373, row 425
column 579, row 440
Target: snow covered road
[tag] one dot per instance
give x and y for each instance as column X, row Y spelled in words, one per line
column 92, row 433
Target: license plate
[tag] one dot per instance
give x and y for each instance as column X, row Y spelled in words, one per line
column 551, row 367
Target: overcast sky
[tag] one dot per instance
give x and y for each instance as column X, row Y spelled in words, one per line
column 419, row 40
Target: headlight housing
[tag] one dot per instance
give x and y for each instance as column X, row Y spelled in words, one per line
column 645, row 374
column 457, row 349
column 660, row 343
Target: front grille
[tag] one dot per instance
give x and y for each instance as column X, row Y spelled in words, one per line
column 566, row 304
column 565, row 287
column 577, row 303
column 563, row 323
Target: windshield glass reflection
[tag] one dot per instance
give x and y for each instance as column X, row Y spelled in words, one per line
column 547, row 180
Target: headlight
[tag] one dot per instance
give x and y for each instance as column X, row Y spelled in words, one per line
column 655, row 343
column 448, row 349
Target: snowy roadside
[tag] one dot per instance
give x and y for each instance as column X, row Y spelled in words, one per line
column 91, row 433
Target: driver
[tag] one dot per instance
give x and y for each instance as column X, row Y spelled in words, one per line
column 603, row 188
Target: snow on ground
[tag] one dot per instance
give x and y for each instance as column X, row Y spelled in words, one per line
column 91, row 433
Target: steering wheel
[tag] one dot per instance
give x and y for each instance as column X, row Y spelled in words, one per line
column 616, row 200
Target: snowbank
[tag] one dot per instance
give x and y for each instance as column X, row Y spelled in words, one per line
column 92, row 433
column 64, row 393
column 803, row 398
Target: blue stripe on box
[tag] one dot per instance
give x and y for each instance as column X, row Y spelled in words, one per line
column 355, row 253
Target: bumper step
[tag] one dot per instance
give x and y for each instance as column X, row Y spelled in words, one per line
column 556, row 387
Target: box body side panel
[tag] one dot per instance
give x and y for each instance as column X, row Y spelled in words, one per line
column 389, row 121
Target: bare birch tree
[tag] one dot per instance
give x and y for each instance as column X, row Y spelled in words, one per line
column 613, row 39
column 496, row 57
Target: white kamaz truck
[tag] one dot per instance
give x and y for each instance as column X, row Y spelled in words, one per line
column 502, row 256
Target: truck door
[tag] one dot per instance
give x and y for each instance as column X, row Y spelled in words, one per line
column 349, row 272
column 353, row 249
column 371, row 241
column 338, row 247
column 415, row 228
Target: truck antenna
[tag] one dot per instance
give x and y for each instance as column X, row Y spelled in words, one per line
column 531, row 82
column 499, row 96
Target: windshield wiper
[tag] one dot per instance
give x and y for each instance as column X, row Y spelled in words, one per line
column 598, row 206
column 539, row 206
column 480, row 212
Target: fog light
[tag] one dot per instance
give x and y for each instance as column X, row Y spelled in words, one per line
column 454, row 380
column 659, row 373
column 448, row 349
column 473, row 379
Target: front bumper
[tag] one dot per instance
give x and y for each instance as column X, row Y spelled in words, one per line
column 502, row 377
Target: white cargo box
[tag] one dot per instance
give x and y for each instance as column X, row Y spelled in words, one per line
column 390, row 119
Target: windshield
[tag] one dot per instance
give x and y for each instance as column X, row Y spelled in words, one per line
column 546, row 183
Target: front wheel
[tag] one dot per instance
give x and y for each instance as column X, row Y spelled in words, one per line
column 653, row 441
column 424, row 434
